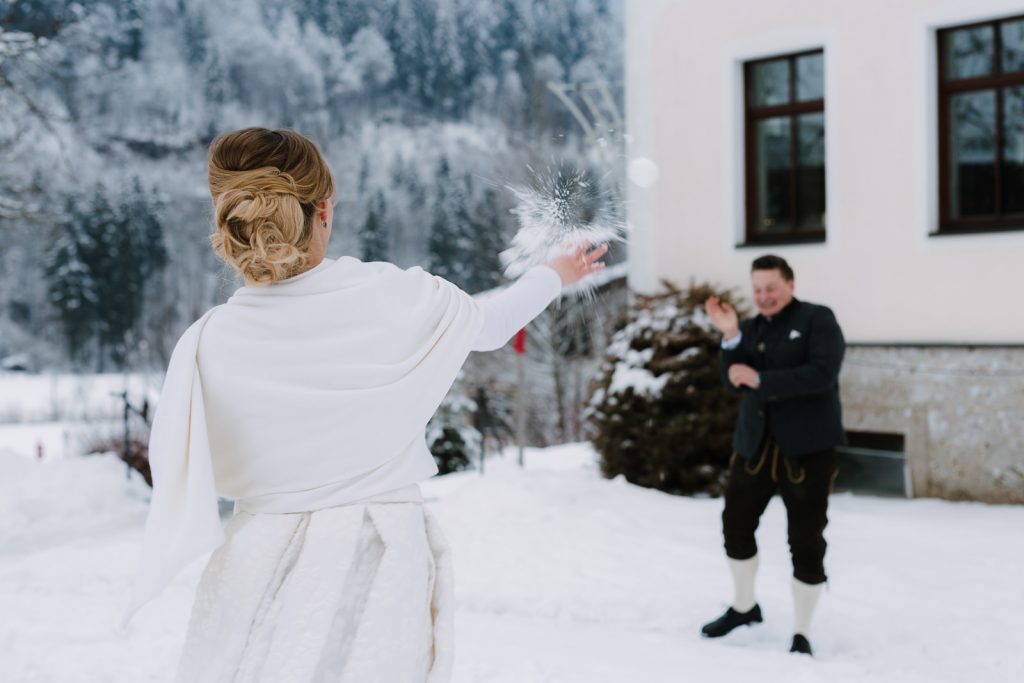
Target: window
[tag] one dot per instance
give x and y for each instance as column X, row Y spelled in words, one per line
column 981, row 127
column 873, row 462
column 785, row 148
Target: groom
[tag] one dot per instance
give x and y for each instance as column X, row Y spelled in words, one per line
column 785, row 362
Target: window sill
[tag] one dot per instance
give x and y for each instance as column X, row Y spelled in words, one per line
column 961, row 230
column 782, row 241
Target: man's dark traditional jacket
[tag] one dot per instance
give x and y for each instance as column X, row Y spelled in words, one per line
column 798, row 354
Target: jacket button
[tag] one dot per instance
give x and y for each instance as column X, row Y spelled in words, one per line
column 760, row 413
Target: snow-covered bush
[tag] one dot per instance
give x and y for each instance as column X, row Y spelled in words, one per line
column 450, row 450
column 660, row 413
column 452, row 439
column 136, row 457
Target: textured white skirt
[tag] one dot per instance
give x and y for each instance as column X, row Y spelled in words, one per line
column 360, row 593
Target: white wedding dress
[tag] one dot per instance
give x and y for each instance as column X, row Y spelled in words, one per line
column 359, row 593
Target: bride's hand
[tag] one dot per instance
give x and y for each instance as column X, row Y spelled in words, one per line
column 578, row 264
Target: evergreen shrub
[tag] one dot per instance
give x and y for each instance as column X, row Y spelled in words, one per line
column 450, row 451
column 452, row 440
column 660, row 414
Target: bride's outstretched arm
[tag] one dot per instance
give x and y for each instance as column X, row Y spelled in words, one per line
column 511, row 309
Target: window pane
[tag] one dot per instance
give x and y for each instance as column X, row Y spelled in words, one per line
column 1013, row 45
column 811, row 172
column 1013, row 150
column 969, row 52
column 773, row 175
column 973, row 153
column 770, row 83
column 810, row 77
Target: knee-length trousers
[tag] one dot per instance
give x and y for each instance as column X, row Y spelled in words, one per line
column 804, row 483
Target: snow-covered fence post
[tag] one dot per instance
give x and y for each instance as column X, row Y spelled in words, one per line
column 142, row 412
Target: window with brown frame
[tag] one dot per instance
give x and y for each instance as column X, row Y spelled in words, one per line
column 785, row 148
column 981, row 127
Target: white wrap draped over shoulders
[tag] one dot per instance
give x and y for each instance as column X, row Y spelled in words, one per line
column 310, row 393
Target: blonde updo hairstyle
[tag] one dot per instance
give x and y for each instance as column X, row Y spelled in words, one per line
column 265, row 186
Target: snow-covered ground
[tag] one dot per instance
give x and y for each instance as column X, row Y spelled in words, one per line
column 60, row 415
column 39, row 398
column 563, row 577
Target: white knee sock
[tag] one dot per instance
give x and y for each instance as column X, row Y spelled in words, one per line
column 743, row 574
column 805, row 599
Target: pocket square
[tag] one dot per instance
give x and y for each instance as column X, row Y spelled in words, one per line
column 793, row 334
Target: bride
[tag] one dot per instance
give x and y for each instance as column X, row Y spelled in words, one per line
column 304, row 399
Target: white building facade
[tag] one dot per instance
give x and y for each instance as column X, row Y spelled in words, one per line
column 879, row 147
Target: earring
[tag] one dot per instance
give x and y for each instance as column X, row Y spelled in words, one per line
column 324, row 225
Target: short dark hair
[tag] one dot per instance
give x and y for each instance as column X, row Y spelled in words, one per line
column 773, row 262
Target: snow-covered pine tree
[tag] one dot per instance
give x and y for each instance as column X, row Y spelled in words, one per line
column 371, row 60
column 450, row 245
column 117, row 272
column 407, row 32
column 194, row 35
column 70, row 287
column 661, row 415
column 41, row 18
column 141, row 211
column 446, row 70
column 98, row 269
column 453, row 441
column 129, row 18
column 488, row 241
column 442, row 235
column 450, row 450
column 373, row 236
column 217, row 87
column 363, row 183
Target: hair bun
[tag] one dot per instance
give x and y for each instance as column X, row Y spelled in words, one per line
column 259, row 232
column 265, row 185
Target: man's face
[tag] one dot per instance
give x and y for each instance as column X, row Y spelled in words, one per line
column 772, row 292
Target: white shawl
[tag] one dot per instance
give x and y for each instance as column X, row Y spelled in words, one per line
column 306, row 394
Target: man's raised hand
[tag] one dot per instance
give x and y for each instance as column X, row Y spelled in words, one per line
column 723, row 316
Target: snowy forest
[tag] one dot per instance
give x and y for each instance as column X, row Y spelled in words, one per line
column 427, row 110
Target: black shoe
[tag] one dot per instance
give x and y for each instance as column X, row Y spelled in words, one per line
column 801, row 645
column 730, row 620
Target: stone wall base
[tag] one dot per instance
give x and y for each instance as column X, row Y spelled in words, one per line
column 960, row 409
